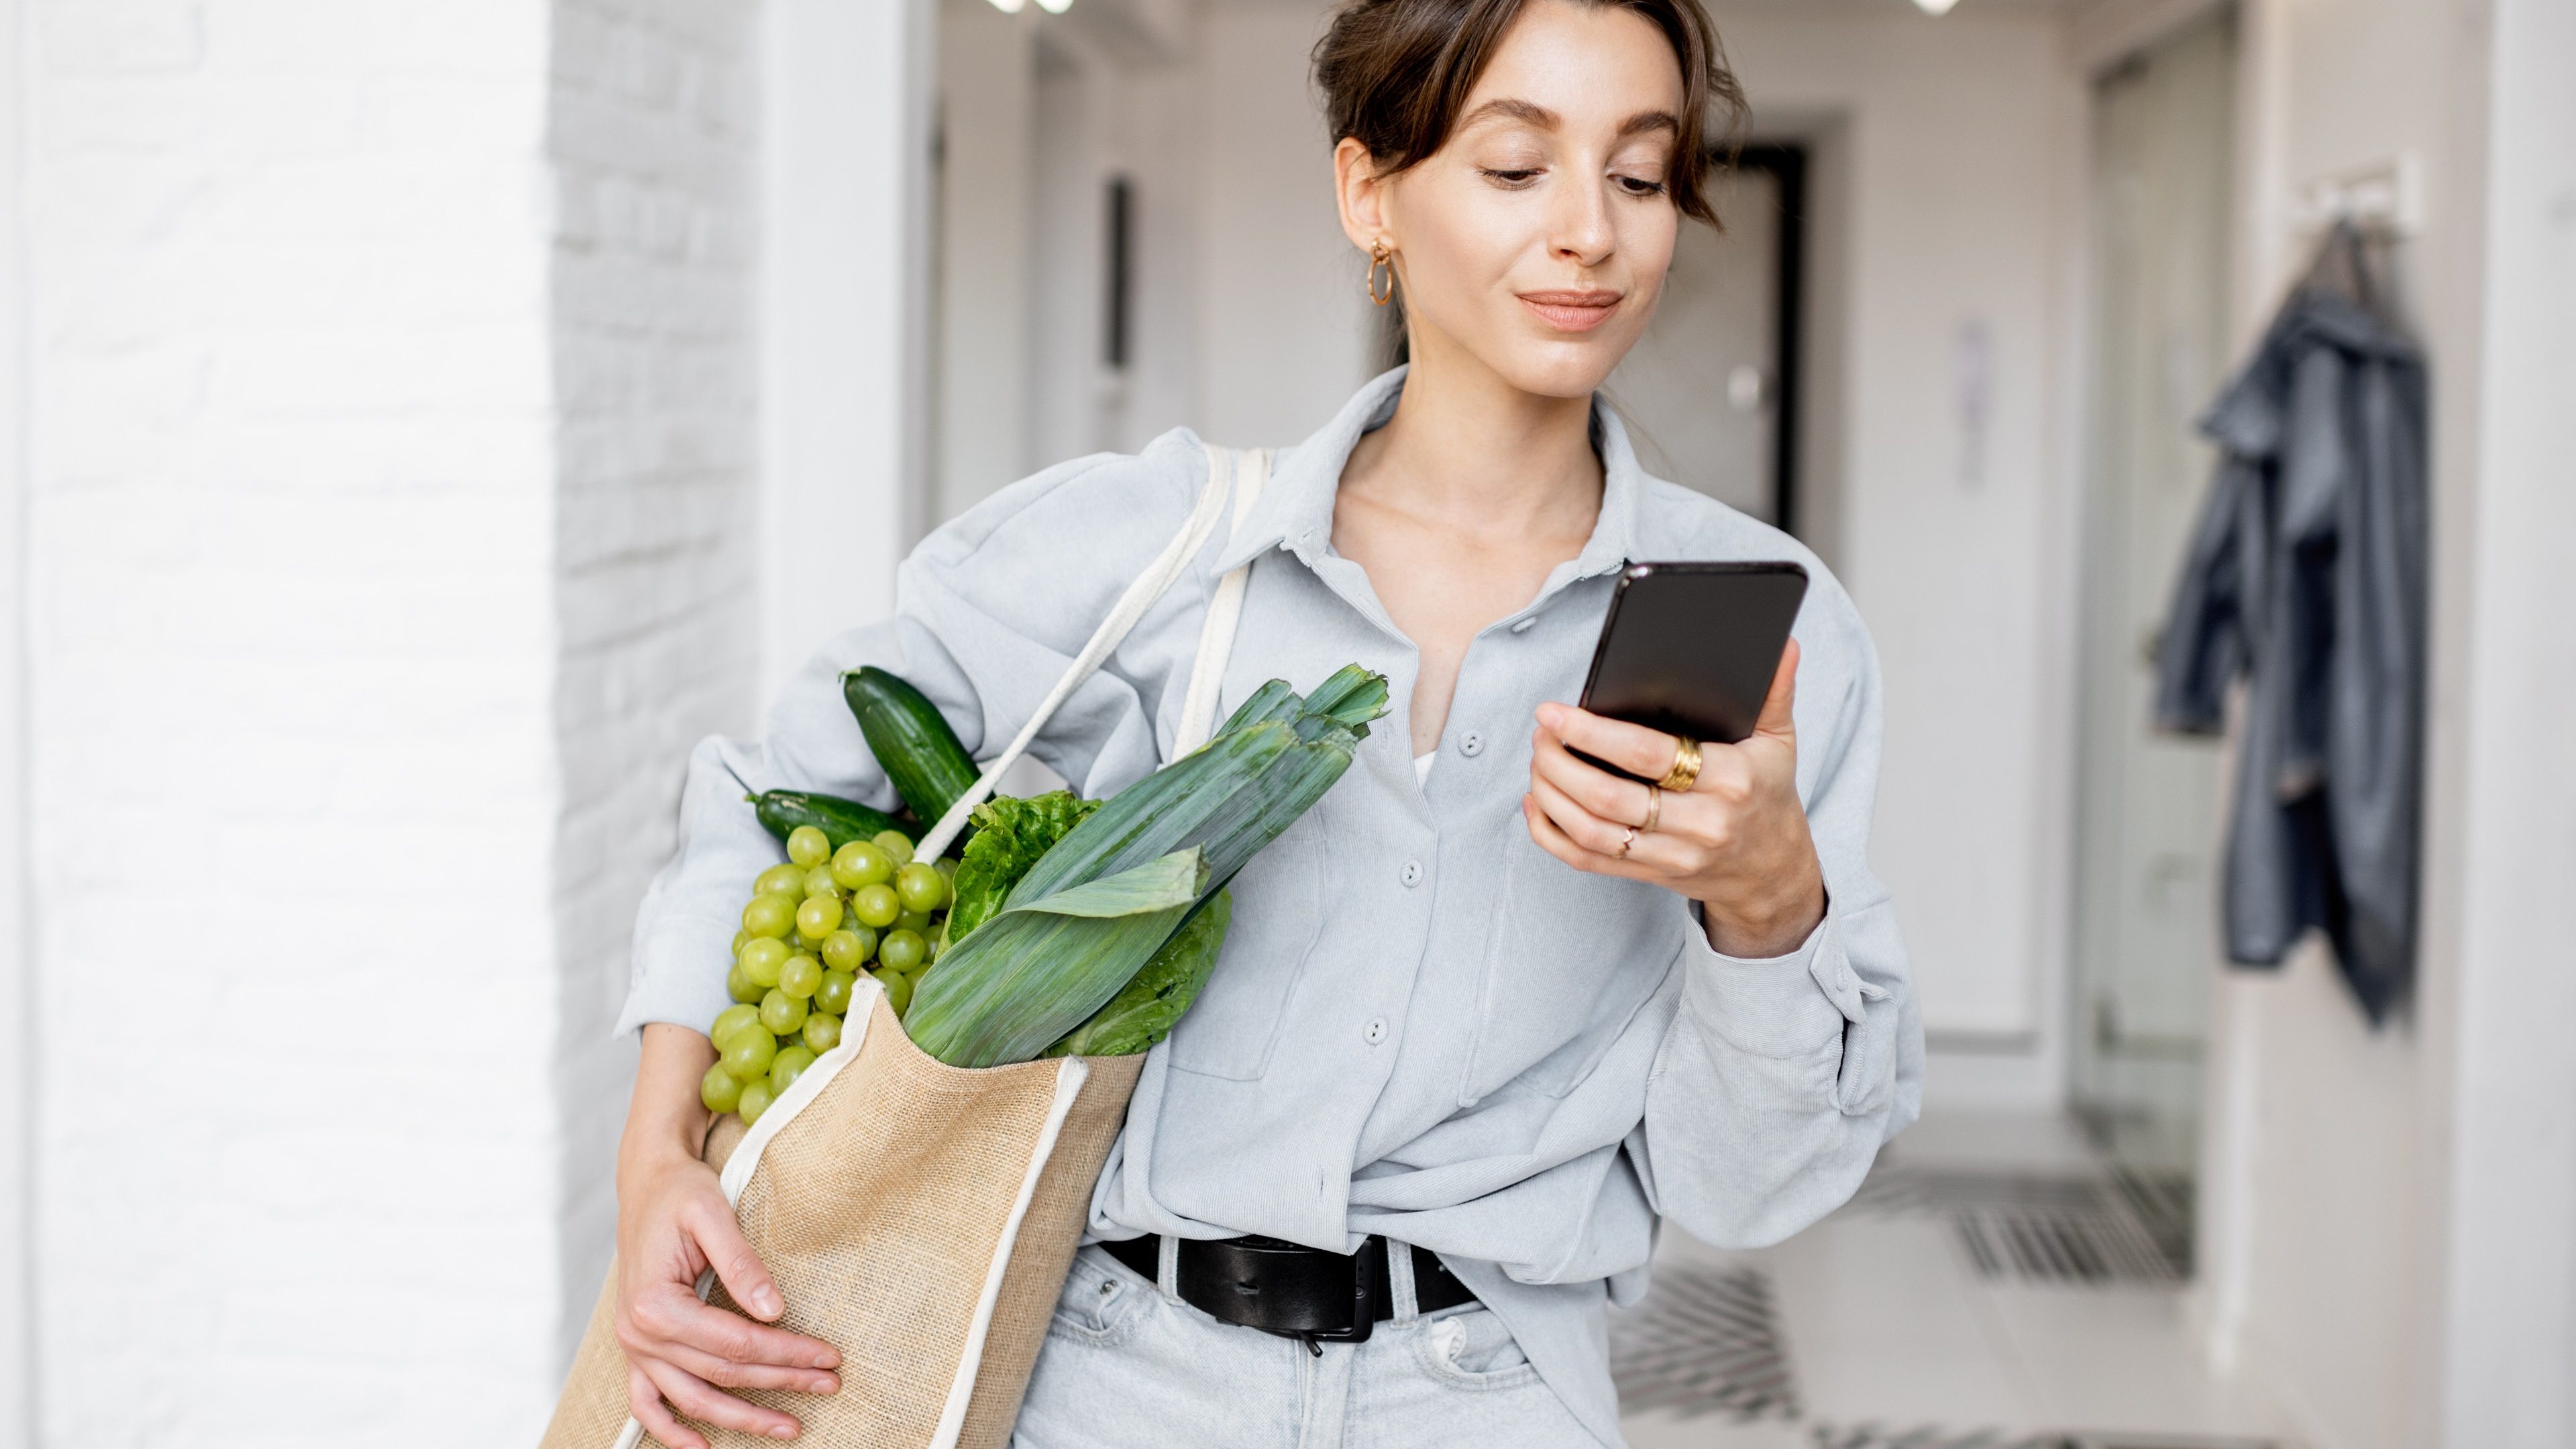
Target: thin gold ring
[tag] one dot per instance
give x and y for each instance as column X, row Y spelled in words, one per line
column 1626, row 841
column 1685, row 770
column 1654, row 808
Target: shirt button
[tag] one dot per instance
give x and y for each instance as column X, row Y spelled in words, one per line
column 1843, row 978
column 1412, row 874
column 1523, row 626
column 1375, row 1031
column 1471, row 744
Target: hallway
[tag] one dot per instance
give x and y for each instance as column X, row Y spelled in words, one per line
column 1992, row 1286
column 421, row 424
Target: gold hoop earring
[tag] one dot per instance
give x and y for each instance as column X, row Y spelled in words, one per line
column 1379, row 256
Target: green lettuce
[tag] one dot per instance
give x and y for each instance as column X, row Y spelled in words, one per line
column 1145, row 1010
column 1010, row 836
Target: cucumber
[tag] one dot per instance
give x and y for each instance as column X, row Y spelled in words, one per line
column 911, row 740
column 782, row 811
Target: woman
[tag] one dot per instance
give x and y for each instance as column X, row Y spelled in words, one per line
column 1486, row 1003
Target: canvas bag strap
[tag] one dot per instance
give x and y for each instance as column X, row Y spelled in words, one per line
column 1225, row 612
column 1226, row 467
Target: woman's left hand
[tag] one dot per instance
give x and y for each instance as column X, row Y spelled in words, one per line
column 1736, row 841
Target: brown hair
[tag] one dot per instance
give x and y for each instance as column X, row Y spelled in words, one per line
column 1396, row 73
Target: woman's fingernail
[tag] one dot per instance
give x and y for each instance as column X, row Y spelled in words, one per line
column 785, row 1431
column 766, row 1300
column 827, row 1385
column 827, row 1360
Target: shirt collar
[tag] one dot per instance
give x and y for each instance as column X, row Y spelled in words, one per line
column 1295, row 510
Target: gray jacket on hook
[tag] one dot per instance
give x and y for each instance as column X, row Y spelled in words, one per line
column 2307, row 574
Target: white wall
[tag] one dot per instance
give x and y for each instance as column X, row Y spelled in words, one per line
column 2509, row 1353
column 1123, row 94
column 845, row 102
column 1162, row 385
column 389, row 420
column 17, row 977
column 292, row 804
column 1247, row 320
column 1951, row 137
column 2328, row 1147
column 986, row 273
column 1284, row 331
column 2395, row 1206
column 1827, row 341
column 651, row 127
column 1075, row 91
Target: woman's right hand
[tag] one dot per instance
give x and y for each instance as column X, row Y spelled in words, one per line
column 673, row 1223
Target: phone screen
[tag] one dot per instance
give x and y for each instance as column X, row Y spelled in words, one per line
column 1690, row 648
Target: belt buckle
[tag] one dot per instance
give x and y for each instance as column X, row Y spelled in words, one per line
column 1367, row 1266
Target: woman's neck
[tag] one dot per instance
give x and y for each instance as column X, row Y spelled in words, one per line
column 1467, row 448
column 1460, row 507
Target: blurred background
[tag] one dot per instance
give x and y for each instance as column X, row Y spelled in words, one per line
column 419, row 423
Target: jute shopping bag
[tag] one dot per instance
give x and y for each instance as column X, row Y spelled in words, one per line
column 921, row 1217
column 918, row 1216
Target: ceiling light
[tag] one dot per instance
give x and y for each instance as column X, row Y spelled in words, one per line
column 1055, row 7
column 1009, row 7
column 1928, row 7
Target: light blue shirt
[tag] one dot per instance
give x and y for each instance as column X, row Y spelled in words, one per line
column 1422, row 1025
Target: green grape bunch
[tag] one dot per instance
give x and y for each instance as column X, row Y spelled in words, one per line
column 816, row 922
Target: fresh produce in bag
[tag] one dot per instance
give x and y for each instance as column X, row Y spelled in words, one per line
column 1049, row 958
column 919, row 753
column 927, row 1063
column 1093, row 924
column 813, row 926
column 915, row 1180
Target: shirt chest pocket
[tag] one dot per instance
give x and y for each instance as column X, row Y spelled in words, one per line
column 1571, row 960
column 1233, row 1028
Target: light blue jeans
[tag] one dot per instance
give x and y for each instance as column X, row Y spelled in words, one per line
column 1127, row 1364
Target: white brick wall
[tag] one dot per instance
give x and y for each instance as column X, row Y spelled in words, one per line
column 652, row 135
column 388, row 470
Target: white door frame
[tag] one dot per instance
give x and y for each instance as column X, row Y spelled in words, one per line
column 17, row 978
column 845, row 234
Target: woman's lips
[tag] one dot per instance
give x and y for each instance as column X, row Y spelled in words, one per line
column 1572, row 311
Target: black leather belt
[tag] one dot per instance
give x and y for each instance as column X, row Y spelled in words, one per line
column 1292, row 1290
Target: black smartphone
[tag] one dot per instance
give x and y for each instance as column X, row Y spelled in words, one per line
column 1690, row 648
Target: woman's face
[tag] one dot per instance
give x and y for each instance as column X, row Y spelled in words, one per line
column 1535, row 241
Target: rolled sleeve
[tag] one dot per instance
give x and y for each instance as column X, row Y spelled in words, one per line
column 684, row 929
column 1801, row 1005
column 1780, row 1078
column 1776, row 1006
column 674, row 982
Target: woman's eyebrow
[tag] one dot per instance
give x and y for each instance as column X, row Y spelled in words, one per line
column 1511, row 109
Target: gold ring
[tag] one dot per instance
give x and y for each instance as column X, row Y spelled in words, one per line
column 1685, row 770
column 1654, row 808
column 1626, row 841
